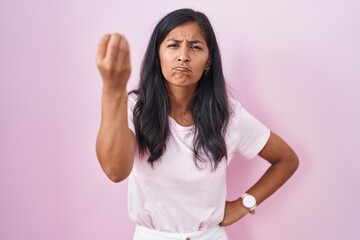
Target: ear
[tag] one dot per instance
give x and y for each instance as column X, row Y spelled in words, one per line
column 208, row 64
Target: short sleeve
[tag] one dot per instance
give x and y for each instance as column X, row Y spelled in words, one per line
column 131, row 104
column 250, row 134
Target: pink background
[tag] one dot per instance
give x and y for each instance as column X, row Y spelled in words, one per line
column 293, row 64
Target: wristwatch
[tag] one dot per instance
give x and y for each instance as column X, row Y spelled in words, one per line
column 249, row 201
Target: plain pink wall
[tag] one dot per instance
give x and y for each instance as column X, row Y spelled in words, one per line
column 293, row 64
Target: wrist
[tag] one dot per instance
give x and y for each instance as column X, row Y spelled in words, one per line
column 249, row 202
column 114, row 91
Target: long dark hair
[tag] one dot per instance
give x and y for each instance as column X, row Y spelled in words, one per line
column 209, row 107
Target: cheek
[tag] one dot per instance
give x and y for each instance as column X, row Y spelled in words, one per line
column 165, row 64
column 201, row 64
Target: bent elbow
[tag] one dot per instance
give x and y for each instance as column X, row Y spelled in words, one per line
column 117, row 175
column 114, row 168
column 116, row 178
column 295, row 162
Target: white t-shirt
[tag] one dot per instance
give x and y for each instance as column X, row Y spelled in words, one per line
column 175, row 196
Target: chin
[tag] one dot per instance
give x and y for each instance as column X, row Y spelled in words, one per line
column 182, row 83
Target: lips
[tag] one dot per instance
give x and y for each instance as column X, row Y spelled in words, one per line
column 182, row 69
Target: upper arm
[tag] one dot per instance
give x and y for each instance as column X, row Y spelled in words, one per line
column 277, row 150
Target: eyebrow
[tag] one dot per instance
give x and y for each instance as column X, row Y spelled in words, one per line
column 178, row 41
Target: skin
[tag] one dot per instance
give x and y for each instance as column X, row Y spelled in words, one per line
column 184, row 56
column 283, row 163
column 113, row 62
column 182, row 64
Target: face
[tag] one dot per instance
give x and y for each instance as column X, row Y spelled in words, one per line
column 184, row 55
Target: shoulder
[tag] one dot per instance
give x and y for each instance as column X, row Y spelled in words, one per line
column 239, row 116
column 235, row 106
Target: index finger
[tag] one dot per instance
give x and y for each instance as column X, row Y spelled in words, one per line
column 102, row 45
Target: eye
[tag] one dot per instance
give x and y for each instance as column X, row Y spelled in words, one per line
column 196, row 47
column 173, row 45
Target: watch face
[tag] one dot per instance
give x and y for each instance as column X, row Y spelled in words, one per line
column 249, row 201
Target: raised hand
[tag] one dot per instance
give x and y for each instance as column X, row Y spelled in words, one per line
column 113, row 61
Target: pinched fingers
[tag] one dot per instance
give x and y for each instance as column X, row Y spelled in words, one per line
column 113, row 59
column 101, row 50
column 112, row 49
column 124, row 51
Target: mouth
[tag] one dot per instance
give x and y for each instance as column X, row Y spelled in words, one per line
column 182, row 69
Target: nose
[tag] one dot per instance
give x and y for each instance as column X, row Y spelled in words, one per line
column 184, row 55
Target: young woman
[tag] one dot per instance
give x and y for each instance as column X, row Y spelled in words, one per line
column 175, row 135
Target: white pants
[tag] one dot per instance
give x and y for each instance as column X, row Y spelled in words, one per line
column 214, row 233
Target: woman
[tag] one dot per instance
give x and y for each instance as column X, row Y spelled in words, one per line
column 176, row 134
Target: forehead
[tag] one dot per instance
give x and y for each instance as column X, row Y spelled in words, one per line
column 188, row 31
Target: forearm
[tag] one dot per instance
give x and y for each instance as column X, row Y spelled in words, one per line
column 115, row 143
column 276, row 175
column 284, row 163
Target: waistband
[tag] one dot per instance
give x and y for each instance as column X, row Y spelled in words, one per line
column 213, row 233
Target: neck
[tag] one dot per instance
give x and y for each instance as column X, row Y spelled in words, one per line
column 180, row 98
